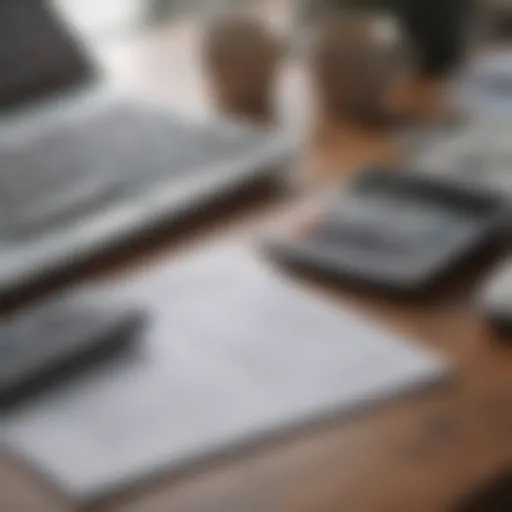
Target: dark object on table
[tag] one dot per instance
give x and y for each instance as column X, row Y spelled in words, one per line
column 395, row 231
column 85, row 170
column 56, row 339
column 439, row 31
column 496, row 496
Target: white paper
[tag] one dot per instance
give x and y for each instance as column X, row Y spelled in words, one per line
column 233, row 352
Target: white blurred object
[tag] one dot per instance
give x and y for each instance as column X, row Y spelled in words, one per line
column 495, row 298
column 479, row 153
column 485, row 86
column 100, row 17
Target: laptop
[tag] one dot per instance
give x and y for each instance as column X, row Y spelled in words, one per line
column 84, row 168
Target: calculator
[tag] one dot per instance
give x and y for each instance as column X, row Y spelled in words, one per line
column 395, row 230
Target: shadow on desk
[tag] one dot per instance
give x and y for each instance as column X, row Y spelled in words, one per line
column 496, row 496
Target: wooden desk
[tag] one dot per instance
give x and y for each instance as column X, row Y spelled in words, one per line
column 416, row 455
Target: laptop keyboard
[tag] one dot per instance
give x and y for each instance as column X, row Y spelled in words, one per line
column 81, row 167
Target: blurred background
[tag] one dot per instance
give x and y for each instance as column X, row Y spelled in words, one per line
column 117, row 18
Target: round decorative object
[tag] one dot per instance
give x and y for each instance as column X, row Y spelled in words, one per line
column 242, row 57
column 356, row 61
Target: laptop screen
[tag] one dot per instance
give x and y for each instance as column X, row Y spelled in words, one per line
column 37, row 55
